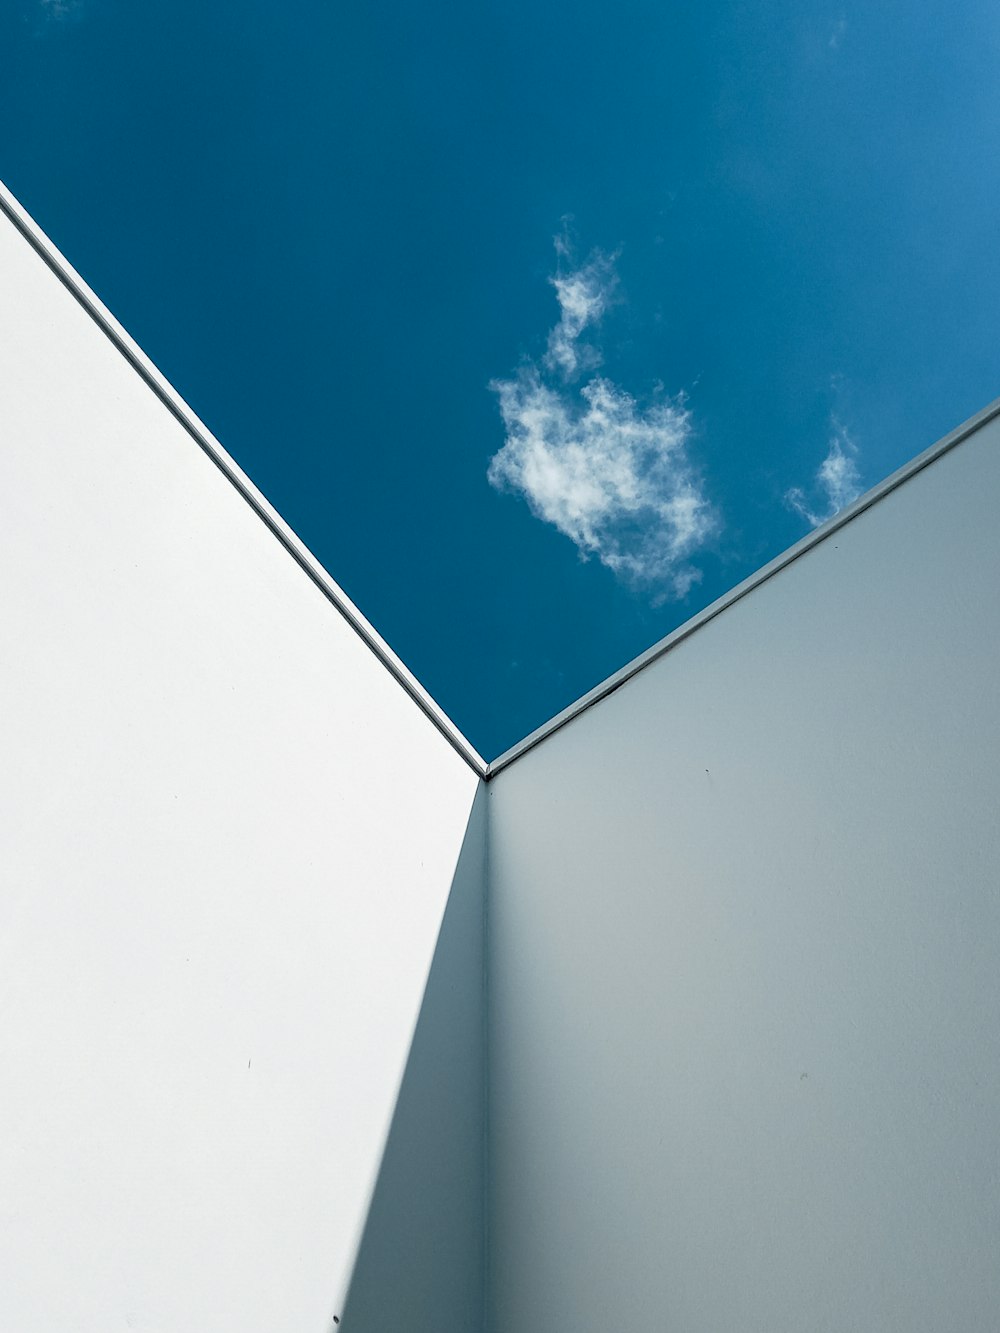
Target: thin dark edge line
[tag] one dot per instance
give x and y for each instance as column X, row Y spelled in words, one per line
column 58, row 265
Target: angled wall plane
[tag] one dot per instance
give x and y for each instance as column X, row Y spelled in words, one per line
column 684, row 1014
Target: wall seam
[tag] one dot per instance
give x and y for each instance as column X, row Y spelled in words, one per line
column 487, row 840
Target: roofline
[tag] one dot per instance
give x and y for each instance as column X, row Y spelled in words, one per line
column 730, row 598
column 332, row 591
column 207, row 442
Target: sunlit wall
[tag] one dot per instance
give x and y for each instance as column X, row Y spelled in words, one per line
column 228, row 839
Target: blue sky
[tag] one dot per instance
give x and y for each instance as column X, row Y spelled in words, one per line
column 543, row 324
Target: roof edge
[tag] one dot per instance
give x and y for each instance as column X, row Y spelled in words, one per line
column 207, row 442
column 807, row 543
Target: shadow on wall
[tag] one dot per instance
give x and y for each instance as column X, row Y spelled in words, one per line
column 420, row 1264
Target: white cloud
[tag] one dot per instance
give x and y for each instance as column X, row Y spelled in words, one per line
column 60, row 9
column 583, row 295
column 609, row 474
column 837, row 33
column 837, row 480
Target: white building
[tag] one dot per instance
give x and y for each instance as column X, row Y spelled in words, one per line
column 684, row 1015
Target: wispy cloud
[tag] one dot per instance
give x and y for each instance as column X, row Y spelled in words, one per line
column 837, row 480
column 613, row 476
column 60, row 9
column 583, row 295
column 837, row 33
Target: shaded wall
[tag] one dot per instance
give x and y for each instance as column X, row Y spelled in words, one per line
column 420, row 1266
column 744, row 931
column 228, row 838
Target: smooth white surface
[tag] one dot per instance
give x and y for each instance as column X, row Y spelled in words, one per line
column 744, row 931
column 228, row 838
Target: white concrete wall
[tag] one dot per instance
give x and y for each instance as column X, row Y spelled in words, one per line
column 744, row 957
column 227, row 838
